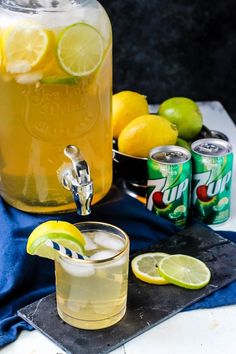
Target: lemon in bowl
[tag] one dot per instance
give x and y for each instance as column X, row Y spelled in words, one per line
column 126, row 106
column 135, row 141
column 146, row 132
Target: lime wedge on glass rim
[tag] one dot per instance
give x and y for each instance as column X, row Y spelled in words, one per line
column 65, row 233
column 185, row 271
column 145, row 267
column 80, row 49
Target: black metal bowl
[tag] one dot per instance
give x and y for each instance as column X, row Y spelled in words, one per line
column 207, row 133
column 131, row 168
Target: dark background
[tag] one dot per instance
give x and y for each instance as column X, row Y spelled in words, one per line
column 166, row 48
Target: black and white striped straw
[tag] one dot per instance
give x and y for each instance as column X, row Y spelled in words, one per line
column 66, row 251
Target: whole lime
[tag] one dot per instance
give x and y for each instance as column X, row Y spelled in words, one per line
column 183, row 143
column 185, row 114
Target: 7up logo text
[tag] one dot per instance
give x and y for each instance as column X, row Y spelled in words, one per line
column 205, row 187
column 162, row 195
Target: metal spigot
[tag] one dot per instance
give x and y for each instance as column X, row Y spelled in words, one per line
column 76, row 178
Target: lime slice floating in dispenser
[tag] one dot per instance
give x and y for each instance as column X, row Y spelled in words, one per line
column 56, row 80
column 80, row 49
column 65, row 233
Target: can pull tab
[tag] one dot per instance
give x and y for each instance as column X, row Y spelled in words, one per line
column 210, row 148
column 76, row 178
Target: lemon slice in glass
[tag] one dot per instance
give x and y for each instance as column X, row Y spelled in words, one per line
column 65, row 233
column 80, row 49
column 26, row 48
column 145, row 267
column 185, row 271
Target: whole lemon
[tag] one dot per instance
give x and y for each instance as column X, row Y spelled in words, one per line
column 144, row 133
column 127, row 105
column 185, row 114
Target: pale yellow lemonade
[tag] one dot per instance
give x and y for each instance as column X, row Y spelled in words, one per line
column 45, row 106
column 92, row 294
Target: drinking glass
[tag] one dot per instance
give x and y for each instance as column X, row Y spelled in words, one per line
column 91, row 293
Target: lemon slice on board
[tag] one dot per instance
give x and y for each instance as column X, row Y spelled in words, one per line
column 63, row 232
column 185, row 271
column 145, row 267
column 80, row 49
column 26, row 48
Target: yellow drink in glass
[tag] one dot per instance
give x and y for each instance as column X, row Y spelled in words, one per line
column 92, row 293
column 44, row 105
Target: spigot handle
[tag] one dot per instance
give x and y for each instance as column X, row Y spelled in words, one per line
column 77, row 179
column 81, row 167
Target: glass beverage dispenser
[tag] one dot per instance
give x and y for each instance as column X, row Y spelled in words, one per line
column 55, row 104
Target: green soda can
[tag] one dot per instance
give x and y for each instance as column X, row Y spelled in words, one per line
column 211, row 181
column 169, row 182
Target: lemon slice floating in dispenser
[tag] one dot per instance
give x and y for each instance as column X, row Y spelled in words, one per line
column 26, row 48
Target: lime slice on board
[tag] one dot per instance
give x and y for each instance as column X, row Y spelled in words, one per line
column 185, row 271
column 63, row 232
column 26, row 48
column 80, row 49
column 145, row 267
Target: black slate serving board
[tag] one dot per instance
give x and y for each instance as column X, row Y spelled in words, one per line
column 148, row 305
